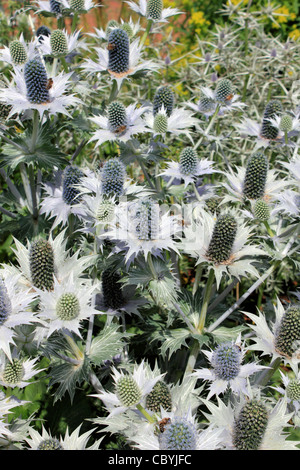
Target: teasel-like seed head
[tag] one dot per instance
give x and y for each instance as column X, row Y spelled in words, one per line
column 58, row 43
column 13, row 372
column 105, row 211
column 41, row 262
column 159, row 397
column 178, row 434
column 188, row 161
column 286, row 123
column 5, row 303
column 36, row 80
column 147, row 217
column 112, row 289
column 50, row 444
column 250, row 426
column 71, row 177
column 222, row 240
column 160, row 124
column 128, row 391
column 42, row 31
column 164, row 97
column 226, row 361
column 293, row 390
column 287, row 336
column 68, row 306
column 268, row 131
column 18, row 52
column 117, row 118
column 55, row 6
column 113, row 177
column 77, row 5
column 154, row 9
column 118, row 51
column 224, row 90
column 261, row 210
column 256, row 176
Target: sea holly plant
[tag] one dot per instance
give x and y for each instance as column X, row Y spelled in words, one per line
column 149, row 215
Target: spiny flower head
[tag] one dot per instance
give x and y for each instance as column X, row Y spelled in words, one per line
column 113, row 177
column 223, row 236
column 5, row 303
column 250, row 426
column 55, row 6
column 261, row 210
column 179, row 434
column 287, row 336
column 118, row 51
column 256, row 176
column 18, row 52
column 188, row 161
column 58, row 43
column 110, row 26
column 42, row 31
column 71, row 177
column 147, row 217
column 273, row 109
column 286, row 123
column 112, row 289
column 77, row 5
column 13, row 372
column 160, row 124
column 154, row 9
column 117, row 118
column 226, row 361
column 213, row 205
column 128, row 391
column 163, row 97
column 50, row 444
column 5, row 109
column 36, row 81
column 224, row 90
column 68, row 306
column 293, row 390
column 41, row 262
column 159, row 397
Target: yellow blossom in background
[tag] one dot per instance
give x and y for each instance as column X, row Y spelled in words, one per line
column 283, row 16
column 198, row 19
column 236, row 2
column 295, row 34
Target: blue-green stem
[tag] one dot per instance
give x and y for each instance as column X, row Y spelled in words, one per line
column 211, row 122
column 144, row 37
column 206, row 299
column 35, row 129
column 151, row 419
column 74, row 22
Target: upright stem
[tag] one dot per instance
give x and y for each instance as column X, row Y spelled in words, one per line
column 74, row 22
column 35, row 129
column 206, row 298
column 266, row 374
column 144, row 37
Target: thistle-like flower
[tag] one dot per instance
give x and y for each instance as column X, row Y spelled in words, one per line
column 73, row 441
column 251, row 424
column 78, row 6
column 44, row 259
column 188, row 168
column 153, row 10
column 129, row 26
column 62, row 198
column 66, row 305
column 221, row 243
column 227, row 370
column 282, row 338
column 49, row 7
column 290, row 389
column 120, row 123
column 142, row 227
column 18, row 52
column 179, row 122
column 32, row 90
column 129, row 389
column 15, row 310
column 255, row 181
column 59, row 43
column 121, row 59
column 17, row 372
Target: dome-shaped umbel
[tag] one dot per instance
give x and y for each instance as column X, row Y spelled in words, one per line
column 164, row 97
column 250, row 426
column 273, row 109
column 154, row 9
column 222, row 240
column 255, row 176
column 113, row 177
column 17, row 52
column 41, row 263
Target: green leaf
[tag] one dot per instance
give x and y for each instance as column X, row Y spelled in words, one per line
column 107, row 344
column 224, row 334
column 172, row 340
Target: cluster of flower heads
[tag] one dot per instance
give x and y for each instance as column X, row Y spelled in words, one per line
column 228, row 218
